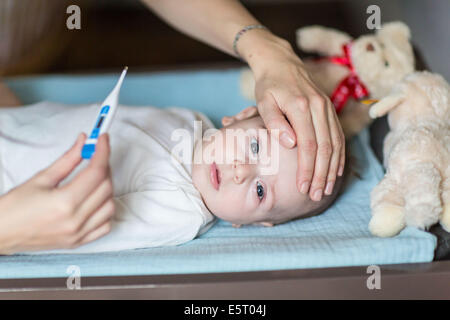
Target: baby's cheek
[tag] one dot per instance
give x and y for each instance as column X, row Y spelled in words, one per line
column 231, row 206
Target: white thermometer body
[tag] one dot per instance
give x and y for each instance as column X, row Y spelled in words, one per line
column 107, row 111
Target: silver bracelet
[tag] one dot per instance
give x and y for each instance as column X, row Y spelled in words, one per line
column 241, row 32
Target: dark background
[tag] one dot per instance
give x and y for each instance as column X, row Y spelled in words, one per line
column 115, row 33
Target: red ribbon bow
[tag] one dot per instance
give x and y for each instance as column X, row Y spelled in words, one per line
column 350, row 86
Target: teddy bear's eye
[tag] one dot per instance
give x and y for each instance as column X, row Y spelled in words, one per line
column 386, row 63
column 370, row 47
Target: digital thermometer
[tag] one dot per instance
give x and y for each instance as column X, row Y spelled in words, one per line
column 107, row 111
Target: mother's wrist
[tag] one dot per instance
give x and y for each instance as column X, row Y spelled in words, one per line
column 261, row 47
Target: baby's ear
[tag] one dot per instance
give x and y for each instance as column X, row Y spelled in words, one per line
column 242, row 115
column 266, row 224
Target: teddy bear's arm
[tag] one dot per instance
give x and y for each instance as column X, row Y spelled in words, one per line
column 386, row 104
column 318, row 39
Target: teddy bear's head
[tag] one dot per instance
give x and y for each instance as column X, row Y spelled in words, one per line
column 384, row 58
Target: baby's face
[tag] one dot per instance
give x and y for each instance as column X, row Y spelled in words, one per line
column 252, row 180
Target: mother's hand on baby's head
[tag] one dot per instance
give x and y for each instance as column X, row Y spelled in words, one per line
column 289, row 101
column 42, row 215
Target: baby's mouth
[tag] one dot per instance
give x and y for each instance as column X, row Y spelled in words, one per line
column 214, row 175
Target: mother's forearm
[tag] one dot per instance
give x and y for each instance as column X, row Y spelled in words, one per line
column 214, row 22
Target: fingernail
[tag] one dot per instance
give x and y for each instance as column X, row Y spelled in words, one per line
column 329, row 188
column 304, row 188
column 341, row 171
column 287, row 140
column 317, row 195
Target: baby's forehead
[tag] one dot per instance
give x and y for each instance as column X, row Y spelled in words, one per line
column 255, row 122
column 285, row 180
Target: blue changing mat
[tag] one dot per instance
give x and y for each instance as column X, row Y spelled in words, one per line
column 338, row 237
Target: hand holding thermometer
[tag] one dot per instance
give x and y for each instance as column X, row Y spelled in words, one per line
column 107, row 111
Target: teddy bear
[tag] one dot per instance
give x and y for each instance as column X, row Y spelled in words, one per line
column 415, row 190
column 352, row 69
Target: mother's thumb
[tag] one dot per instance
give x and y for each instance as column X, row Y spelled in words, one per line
column 275, row 120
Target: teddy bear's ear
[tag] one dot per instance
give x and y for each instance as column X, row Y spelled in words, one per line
column 395, row 30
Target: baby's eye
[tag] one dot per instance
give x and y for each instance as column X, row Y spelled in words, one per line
column 254, row 145
column 260, row 191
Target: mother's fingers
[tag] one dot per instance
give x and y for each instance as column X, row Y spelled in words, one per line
column 274, row 120
column 101, row 231
column 89, row 207
column 337, row 144
column 92, row 176
column 298, row 113
column 319, row 112
column 342, row 151
column 100, row 217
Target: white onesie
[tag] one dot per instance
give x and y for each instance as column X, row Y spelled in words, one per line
column 156, row 201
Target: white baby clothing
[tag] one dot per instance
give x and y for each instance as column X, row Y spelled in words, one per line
column 156, row 201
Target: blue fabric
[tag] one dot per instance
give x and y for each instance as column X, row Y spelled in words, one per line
column 338, row 237
column 215, row 93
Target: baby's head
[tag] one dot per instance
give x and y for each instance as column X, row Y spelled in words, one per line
column 246, row 176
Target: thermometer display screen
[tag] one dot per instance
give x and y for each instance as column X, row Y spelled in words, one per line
column 100, row 122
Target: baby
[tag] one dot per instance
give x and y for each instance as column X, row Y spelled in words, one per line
column 257, row 181
column 168, row 188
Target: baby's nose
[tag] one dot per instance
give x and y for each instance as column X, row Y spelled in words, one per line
column 241, row 171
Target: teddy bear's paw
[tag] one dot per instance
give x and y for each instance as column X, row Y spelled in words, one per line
column 445, row 218
column 387, row 221
column 422, row 215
